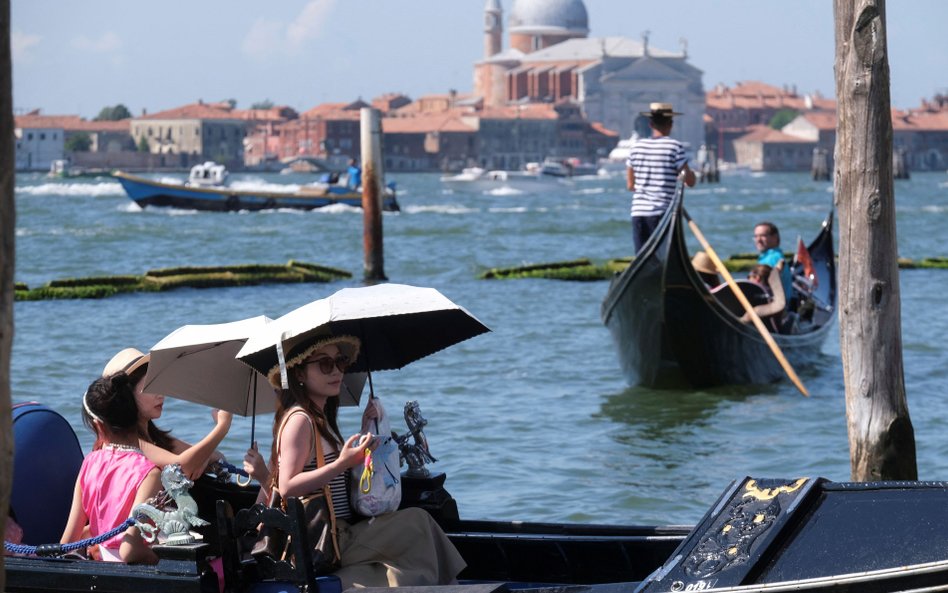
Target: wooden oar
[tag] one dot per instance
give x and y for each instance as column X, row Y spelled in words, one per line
column 747, row 306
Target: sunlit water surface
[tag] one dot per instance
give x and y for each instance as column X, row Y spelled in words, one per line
column 532, row 421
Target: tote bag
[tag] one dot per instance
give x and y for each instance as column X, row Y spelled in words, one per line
column 376, row 488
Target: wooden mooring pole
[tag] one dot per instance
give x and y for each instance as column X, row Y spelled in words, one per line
column 372, row 179
column 7, row 259
column 881, row 437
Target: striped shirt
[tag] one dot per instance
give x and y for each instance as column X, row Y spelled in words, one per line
column 338, row 486
column 656, row 163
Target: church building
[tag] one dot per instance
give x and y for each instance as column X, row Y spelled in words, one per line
column 550, row 58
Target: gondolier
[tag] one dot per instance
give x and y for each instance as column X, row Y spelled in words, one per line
column 652, row 171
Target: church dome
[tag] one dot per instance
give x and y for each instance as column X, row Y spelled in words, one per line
column 549, row 17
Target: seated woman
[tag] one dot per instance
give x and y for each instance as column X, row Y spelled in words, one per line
column 404, row 548
column 116, row 476
column 771, row 313
column 158, row 445
column 705, row 267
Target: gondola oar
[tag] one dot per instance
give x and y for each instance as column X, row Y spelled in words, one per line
column 747, row 306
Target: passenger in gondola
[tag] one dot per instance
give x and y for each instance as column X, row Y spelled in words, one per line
column 652, row 170
column 767, row 241
column 116, row 476
column 705, row 267
column 402, row 548
column 771, row 313
column 159, row 445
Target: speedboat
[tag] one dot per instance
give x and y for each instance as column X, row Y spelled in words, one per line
column 476, row 179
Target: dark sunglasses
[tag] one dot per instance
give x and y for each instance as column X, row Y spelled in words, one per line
column 326, row 363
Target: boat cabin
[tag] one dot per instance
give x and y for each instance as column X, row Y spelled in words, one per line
column 207, row 174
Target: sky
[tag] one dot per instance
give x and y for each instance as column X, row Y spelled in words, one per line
column 76, row 57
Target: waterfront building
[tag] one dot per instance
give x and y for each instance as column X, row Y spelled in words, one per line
column 203, row 131
column 39, row 142
column 41, row 139
column 733, row 111
column 920, row 135
column 551, row 59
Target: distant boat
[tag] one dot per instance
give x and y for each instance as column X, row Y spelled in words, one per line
column 205, row 190
column 476, row 179
column 571, row 167
column 65, row 169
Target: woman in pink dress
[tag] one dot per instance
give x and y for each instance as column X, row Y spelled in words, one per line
column 159, row 445
column 116, row 476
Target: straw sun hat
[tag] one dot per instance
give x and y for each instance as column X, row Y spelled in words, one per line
column 128, row 360
column 660, row 110
column 702, row 263
column 348, row 345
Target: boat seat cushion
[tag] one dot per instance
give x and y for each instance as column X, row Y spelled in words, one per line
column 46, row 461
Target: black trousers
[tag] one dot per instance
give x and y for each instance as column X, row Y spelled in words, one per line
column 642, row 229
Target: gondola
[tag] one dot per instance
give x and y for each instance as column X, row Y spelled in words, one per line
column 760, row 536
column 671, row 330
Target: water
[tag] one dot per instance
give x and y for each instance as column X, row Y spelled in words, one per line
column 532, row 421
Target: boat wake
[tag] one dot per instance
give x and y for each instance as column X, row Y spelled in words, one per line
column 105, row 188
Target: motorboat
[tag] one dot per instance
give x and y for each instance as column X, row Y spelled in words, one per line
column 476, row 179
column 206, row 190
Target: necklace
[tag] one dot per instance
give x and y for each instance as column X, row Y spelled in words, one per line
column 121, row 447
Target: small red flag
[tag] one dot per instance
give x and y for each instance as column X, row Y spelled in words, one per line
column 802, row 257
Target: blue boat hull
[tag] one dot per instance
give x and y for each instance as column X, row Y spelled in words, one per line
column 146, row 192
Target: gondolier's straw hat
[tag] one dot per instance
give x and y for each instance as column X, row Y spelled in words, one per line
column 702, row 263
column 348, row 345
column 128, row 360
column 660, row 110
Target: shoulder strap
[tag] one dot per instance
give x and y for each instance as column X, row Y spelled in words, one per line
column 320, row 462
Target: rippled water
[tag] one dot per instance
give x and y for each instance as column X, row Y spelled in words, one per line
column 532, row 421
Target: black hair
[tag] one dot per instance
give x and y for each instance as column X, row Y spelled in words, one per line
column 112, row 401
column 771, row 227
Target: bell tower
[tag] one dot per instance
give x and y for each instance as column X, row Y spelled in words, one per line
column 493, row 28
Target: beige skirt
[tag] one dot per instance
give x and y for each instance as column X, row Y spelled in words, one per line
column 404, row 548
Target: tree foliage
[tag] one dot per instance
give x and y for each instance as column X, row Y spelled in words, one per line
column 143, row 145
column 115, row 113
column 265, row 104
column 78, row 142
column 782, row 118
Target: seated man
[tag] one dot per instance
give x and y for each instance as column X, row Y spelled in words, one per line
column 767, row 241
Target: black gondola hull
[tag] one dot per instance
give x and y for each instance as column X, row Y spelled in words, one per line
column 670, row 330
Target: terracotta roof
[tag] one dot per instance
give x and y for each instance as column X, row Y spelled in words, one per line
column 71, row 123
column 768, row 134
column 423, row 124
column 823, row 120
column 525, row 111
column 196, row 111
column 922, row 121
column 335, row 111
column 46, row 121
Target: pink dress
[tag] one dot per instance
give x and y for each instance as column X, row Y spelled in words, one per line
column 109, row 480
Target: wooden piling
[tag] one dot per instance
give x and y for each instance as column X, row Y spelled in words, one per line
column 372, row 179
column 7, row 260
column 820, row 166
column 881, row 437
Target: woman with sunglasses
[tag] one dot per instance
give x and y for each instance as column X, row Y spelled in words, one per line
column 404, row 548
